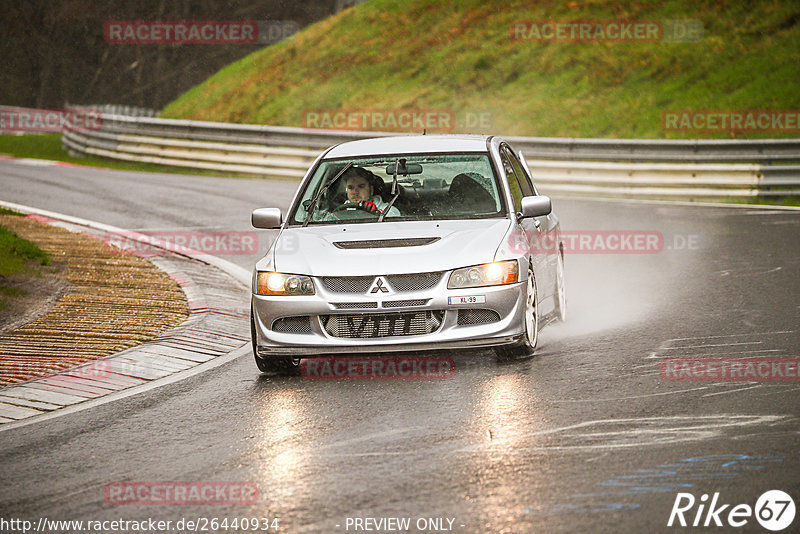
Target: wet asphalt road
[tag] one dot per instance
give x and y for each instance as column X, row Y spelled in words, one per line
column 586, row 436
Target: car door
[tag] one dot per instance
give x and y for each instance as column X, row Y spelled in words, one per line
column 545, row 247
column 550, row 222
column 531, row 227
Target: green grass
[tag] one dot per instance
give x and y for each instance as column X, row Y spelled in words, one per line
column 433, row 54
column 788, row 200
column 16, row 254
column 48, row 146
column 7, row 293
column 17, row 257
column 40, row 146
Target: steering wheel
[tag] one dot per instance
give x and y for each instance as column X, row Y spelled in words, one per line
column 362, row 210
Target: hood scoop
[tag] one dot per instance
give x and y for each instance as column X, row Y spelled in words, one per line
column 386, row 243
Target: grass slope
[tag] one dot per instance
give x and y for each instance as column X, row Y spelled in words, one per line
column 17, row 257
column 16, row 253
column 435, row 54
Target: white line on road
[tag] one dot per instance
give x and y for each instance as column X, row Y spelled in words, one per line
column 731, row 391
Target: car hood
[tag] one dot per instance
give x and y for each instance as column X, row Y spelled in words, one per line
column 454, row 244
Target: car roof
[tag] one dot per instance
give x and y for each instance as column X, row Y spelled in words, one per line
column 409, row 144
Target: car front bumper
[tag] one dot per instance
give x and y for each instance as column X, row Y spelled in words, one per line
column 506, row 328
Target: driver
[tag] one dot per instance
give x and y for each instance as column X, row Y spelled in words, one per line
column 361, row 191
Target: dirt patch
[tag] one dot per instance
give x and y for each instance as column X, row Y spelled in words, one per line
column 27, row 297
column 110, row 301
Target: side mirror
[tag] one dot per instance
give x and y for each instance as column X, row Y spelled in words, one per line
column 536, row 206
column 268, row 218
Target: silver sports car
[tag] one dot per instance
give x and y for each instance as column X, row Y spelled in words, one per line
column 408, row 243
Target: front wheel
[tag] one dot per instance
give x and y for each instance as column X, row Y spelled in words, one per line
column 561, row 292
column 279, row 365
column 528, row 344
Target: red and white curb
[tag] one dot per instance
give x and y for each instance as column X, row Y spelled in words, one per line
column 32, row 162
column 216, row 332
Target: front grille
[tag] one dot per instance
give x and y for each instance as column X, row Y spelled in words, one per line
column 354, row 305
column 347, row 284
column 477, row 316
column 401, row 303
column 414, row 282
column 383, row 325
column 399, row 282
column 292, row 325
column 387, row 243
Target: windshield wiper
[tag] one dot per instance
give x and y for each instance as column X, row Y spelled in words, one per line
column 395, row 189
column 313, row 206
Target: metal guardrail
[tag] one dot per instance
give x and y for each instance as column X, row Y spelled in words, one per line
column 118, row 109
column 685, row 169
column 764, row 151
column 231, row 133
column 284, row 162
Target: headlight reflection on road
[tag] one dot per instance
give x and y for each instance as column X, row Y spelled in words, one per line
column 505, row 402
column 499, row 461
column 282, row 449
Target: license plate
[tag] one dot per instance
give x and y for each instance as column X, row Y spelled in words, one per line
column 471, row 299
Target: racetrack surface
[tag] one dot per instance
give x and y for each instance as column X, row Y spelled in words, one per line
column 585, row 436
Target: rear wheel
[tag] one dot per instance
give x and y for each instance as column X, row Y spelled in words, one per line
column 528, row 344
column 280, row 365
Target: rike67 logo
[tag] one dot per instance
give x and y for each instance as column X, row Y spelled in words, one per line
column 774, row 510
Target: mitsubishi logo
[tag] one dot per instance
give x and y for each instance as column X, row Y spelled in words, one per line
column 379, row 285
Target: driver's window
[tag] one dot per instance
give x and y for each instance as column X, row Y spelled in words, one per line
column 522, row 177
column 513, row 183
column 335, row 195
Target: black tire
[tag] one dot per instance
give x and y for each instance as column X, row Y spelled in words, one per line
column 527, row 346
column 277, row 365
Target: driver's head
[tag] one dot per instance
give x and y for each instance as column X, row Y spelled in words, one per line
column 359, row 186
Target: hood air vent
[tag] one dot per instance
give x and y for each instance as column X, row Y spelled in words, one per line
column 387, row 243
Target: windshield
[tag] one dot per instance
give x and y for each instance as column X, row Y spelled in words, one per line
column 429, row 187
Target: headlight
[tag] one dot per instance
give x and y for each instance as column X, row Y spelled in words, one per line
column 270, row 283
column 488, row 274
